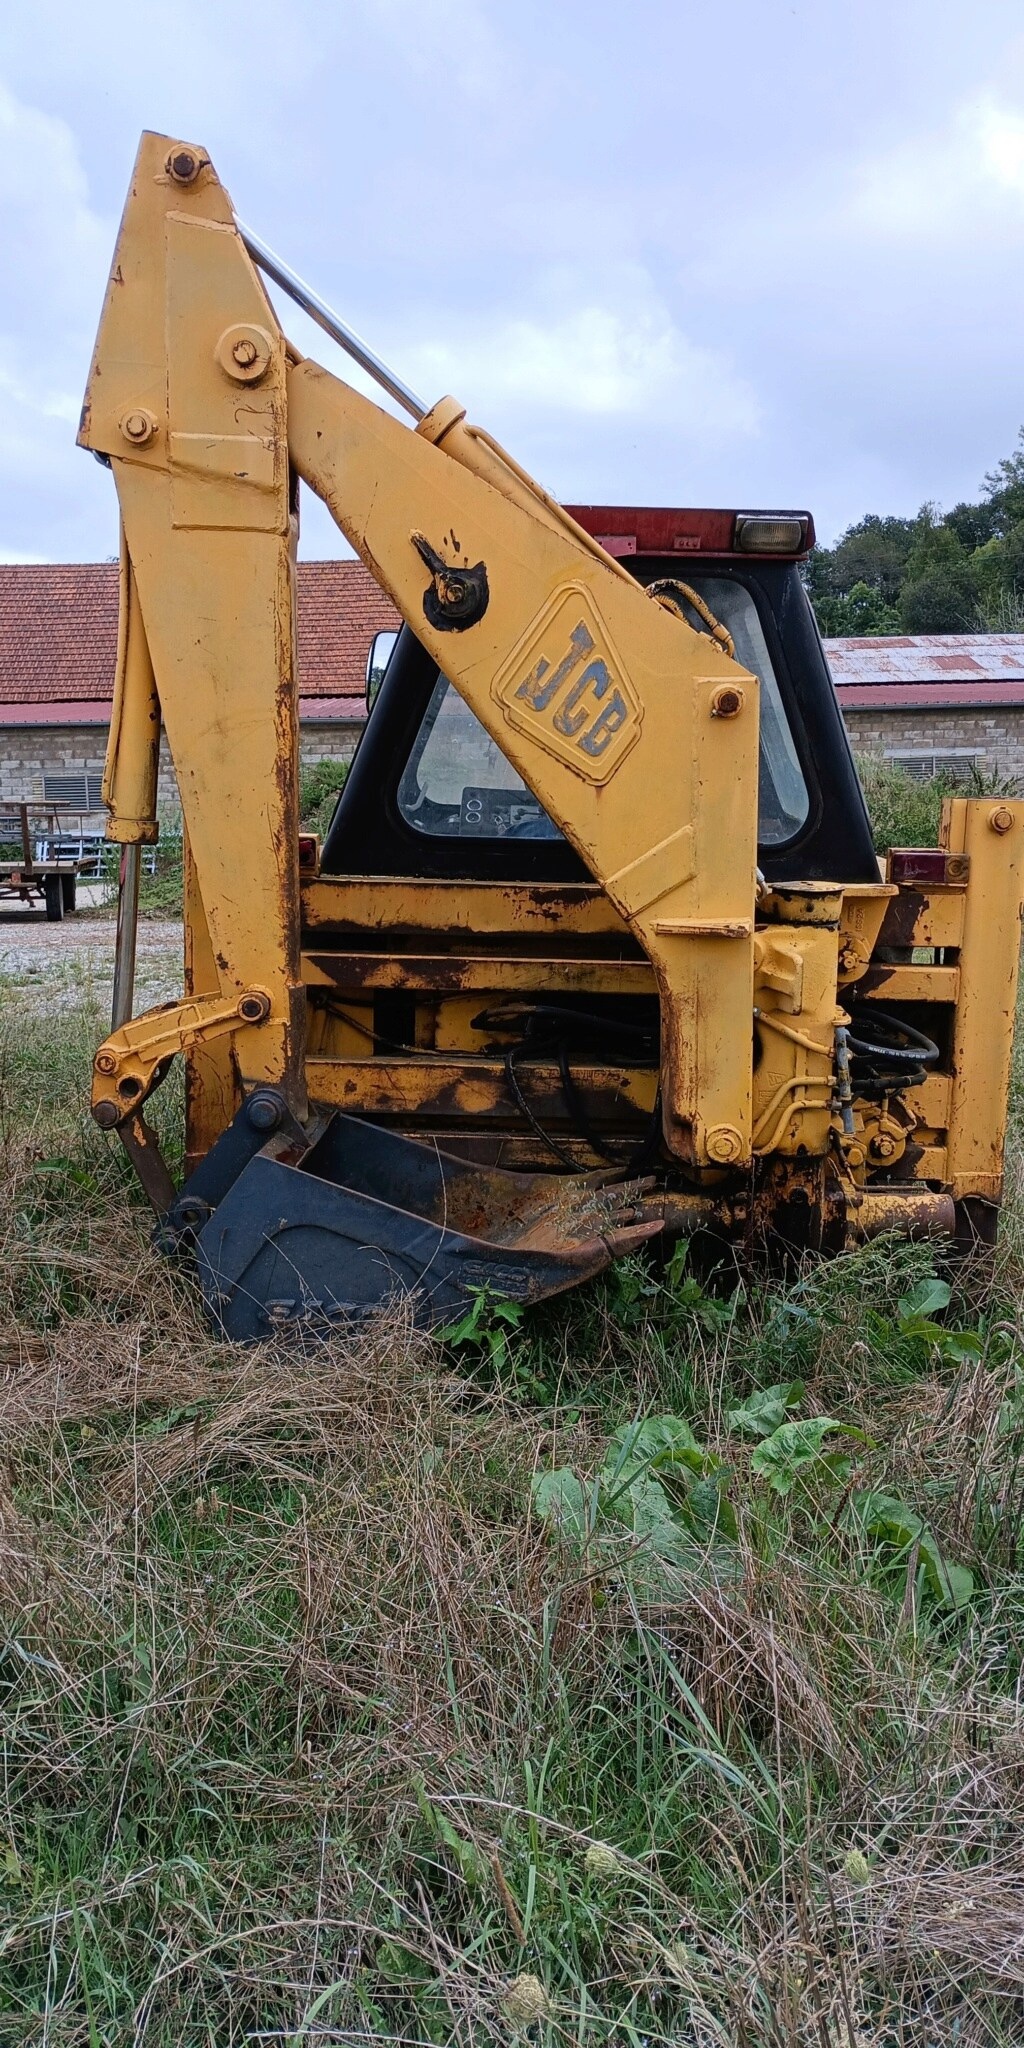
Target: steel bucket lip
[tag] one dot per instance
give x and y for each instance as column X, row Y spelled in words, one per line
column 519, row 1201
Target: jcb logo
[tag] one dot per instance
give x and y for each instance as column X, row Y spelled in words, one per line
column 565, row 687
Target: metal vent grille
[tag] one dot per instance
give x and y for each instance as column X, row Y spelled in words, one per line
column 81, row 790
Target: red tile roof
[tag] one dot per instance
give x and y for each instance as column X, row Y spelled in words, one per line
column 340, row 610
column 58, row 637
column 929, row 672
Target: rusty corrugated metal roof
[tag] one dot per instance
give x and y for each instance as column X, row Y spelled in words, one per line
column 929, row 671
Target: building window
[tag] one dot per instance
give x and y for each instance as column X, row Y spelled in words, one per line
column 955, row 765
column 80, row 790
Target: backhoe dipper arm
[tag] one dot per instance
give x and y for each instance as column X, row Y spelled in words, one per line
column 186, row 397
column 638, row 735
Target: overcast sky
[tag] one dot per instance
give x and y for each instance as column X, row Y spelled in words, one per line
column 744, row 253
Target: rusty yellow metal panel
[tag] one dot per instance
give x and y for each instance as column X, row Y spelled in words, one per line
column 933, row 1163
column 991, row 833
column 886, row 984
column 863, row 910
column 930, row 1101
column 382, row 903
column 445, row 973
column 925, row 917
column 475, row 1088
column 795, row 1016
column 212, row 1094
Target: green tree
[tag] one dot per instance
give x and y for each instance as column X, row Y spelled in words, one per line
column 862, row 614
column 1004, row 489
column 941, row 588
column 941, row 600
column 1013, row 558
column 974, row 525
column 873, row 552
column 958, row 572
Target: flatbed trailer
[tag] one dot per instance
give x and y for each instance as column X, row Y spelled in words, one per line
column 27, row 877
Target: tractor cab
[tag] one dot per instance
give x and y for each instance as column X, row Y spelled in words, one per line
column 430, row 793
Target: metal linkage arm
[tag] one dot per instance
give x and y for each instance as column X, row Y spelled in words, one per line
column 133, row 1061
column 186, row 398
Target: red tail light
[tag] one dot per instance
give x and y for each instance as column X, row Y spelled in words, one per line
column 929, row 864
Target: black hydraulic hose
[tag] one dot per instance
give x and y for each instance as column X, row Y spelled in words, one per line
column 553, row 1042
column 914, row 1050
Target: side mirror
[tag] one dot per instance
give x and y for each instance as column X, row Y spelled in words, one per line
column 382, row 647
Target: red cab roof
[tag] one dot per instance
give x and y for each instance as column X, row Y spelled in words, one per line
column 675, row 530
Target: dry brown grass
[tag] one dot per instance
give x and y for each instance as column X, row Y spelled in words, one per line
column 309, row 1726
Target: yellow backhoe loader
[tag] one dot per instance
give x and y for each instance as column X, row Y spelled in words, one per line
column 596, row 946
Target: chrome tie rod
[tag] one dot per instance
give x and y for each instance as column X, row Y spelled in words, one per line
column 311, row 303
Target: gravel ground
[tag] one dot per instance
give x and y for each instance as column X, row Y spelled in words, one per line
column 63, row 965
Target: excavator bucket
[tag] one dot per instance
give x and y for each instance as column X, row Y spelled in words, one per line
column 365, row 1216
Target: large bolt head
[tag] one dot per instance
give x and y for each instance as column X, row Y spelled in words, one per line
column 254, row 1006
column 263, row 1112
column 184, row 164
column 724, row 1145
column 138, row 426
column 245, row 353
column 727, row 703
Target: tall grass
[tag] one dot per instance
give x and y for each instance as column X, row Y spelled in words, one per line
column 315, row 1730
column 905, row 810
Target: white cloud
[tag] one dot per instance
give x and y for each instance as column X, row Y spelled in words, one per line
column 54, row 255
column 51, row 405
column 626, row 361
column 476, row 58
column 954, row 178
column 1000, row 134
column 632, row 286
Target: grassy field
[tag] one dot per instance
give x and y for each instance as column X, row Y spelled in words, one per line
column 645, row 1671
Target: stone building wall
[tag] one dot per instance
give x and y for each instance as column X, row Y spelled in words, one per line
column 30, row 753
column 994, row 739
column 327, row 743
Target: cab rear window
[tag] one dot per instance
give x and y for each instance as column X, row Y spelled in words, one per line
column 457, row 783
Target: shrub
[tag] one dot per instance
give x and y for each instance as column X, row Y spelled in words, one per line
column 319, row 786
column 906, row 811
column 162, row 893
column 903, row 810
